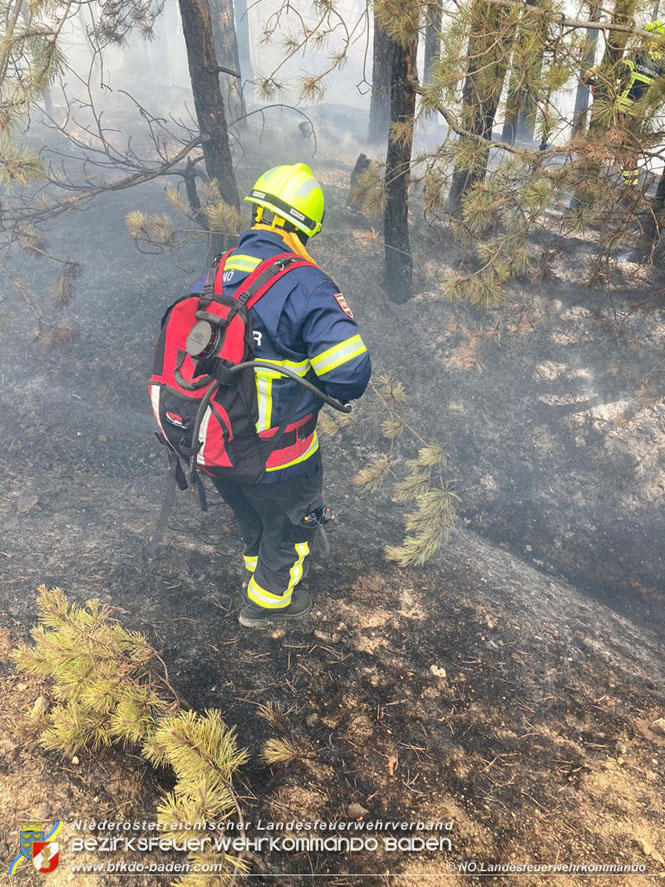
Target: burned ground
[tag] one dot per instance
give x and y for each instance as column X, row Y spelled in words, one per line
column 509, row 685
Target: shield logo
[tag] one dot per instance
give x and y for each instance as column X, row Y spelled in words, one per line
column 45, row 856
column 28, row 838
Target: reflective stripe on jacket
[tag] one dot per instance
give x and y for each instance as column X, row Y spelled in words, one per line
column 640, row 70
column 302, row 323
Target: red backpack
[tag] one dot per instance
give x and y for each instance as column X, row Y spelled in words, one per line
column 203, row 397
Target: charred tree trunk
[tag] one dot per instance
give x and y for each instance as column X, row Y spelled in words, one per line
column 583, row 92
column 226, row 47
column 520, row 108
column 208, row 101
column 488, row 52
column 243, row 38
column 432, row 38
column 399, row 263
column 382, row 62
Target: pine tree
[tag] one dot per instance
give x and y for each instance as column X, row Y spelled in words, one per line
column 401, row 25
column 226, row 46
column 110, row 687
column 491, row 34
column 382, row 65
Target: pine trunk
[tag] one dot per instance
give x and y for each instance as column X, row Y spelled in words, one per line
column 243, row 38
column 518, row 122
column 432, row 38
column 379, row 109
column 226, row 47
column 488, row 53
column 208, row 101
column 583, row 93
column 399, row 263
column 615, row 47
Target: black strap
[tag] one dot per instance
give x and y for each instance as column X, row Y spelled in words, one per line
column 210, row 280
column 285, row 208
column 175, row 478
column 200, row 489
column 275, row 439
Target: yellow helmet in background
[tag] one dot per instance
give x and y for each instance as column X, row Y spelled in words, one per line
column 292, row 193
column 656, row 27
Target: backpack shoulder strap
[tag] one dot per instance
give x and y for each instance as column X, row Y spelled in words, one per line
column 265, row 275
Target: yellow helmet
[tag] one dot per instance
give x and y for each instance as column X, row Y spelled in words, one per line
column 292, row 193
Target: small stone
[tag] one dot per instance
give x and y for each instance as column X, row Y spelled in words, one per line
column 312, row 720
column 438, row 671
column 42, row 811
column 621, row 748
column 26, row 505
column 40, row 707
column 322, row 636
column 357, row 811
column 644, row 846
column 528, row 548
column 21, row 687
column 658, row 726
column 76, row 760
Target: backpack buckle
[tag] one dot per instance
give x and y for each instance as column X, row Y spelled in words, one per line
column 224, row 374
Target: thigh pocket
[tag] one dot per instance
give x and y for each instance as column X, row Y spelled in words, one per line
column 303, row 516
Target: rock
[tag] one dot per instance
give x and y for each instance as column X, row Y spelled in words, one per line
column 363, row 163
column 26, row 505
column 312, row 720
column 621, row 748
column 658, row 726
column 357, row 811
column 644, row 846
column 76, row 760
column 438, row 671
column 41, row 811
column 40, row 707
column 322, row 636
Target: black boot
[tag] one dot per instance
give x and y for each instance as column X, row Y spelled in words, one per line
column 252, row 616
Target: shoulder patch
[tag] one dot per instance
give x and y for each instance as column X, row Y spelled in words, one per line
column 344, row 305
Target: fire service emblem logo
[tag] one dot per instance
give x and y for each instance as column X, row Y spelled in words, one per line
column 344, row 305
column 45, row 856
column 41, row 849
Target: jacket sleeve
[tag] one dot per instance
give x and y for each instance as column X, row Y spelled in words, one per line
column 335, row 349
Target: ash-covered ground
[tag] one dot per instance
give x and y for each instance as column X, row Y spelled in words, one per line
column 510, row 684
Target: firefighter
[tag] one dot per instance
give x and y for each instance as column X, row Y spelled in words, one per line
column 306, row 325
column 638, row 70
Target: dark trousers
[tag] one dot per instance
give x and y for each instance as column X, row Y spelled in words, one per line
column 277, row 542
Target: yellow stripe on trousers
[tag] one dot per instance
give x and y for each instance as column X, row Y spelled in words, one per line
column 268, row 599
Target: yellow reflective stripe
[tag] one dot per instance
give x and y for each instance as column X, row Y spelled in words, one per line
column 250, row 562
column 311, row 449
column 264, row 398
column 337, row 355
column 300, row 367
column 241, row 263
column 264, row 598
column 302, row 549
